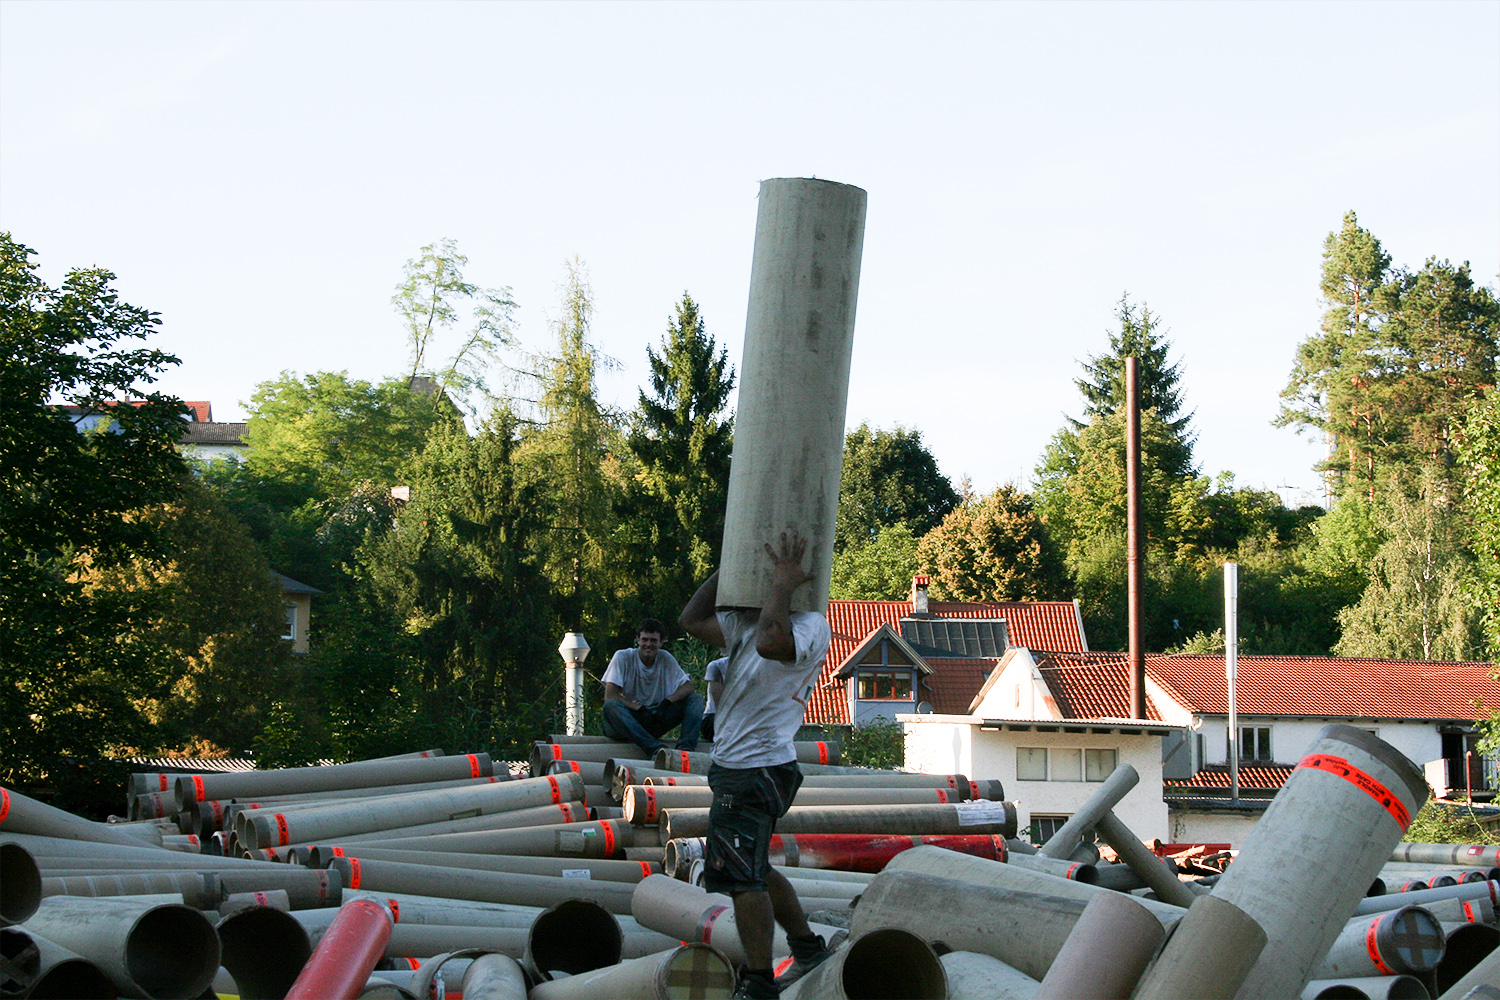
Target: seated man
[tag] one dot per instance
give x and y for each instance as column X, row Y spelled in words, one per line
column 646, row 694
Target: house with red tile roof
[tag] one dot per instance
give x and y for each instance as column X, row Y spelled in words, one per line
column 887, row 658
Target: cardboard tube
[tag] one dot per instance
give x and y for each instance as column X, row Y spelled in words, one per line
column 602, row 839
column 1447, row 854
column 690, row 970
column 1479, row 982
column 1367, row 988
column 974, row 976
column 888, row 962
column 264, row 950
column 494, row 977
column 39, row 968
column 199, row 787
column 146, row 950
column 860, row 853
column 644, row 803
column 200, row 890
column 688, row 913
column 1168, row 888
column 794, row 384
column 1408, row 940
column 1468, row 890
column 1068, row 836
column 346, row 955
column 484, row 887
column 1207, row 957
column 598, row 869
column 21, row 814
column 1465, row 946
column 1105, row 953
column 20, row 884
column 963, row 818
column 572, row 937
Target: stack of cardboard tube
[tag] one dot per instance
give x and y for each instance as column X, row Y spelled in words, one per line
column 407, row 874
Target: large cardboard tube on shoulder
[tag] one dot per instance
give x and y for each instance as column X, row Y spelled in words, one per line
column 368, row 774
column 928, row 860
column 1152, row 870
column 688, row 913
column 888, row 962
column 1025, row 930
column 975, row 976
column 1367, row 988
column 264, row 950
column 37, row 967
column 311, row 824
column 21, row 814
column 346, row 955
column 687, row 970
column 1106, row 952
column 794, row 384
column 483, row 887
column 20, row 884
column 1108, row 795
column 1317, row 848
column 146, row 950
column 962, row 818
column 1207, row 957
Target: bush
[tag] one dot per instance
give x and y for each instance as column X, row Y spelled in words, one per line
column 880, row 743
column 1439, row 823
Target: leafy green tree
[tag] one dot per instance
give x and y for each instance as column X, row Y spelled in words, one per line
column 888, row 478
column 1416, row 604
column 71, row 669
column 1103, row 386
column 880, row 570
column 681, row 438
column 428, row 301
column 992, row 548
column 569, row 453
column 1480, row 458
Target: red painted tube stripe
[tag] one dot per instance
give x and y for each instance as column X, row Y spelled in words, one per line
column 567, row 812
column 942, row 794
column 685, row 764
column 163, row 779
column 576, row 768
column 4, row 804
column 1374, row 948
column 822, row 752
column 706, row 923
column 973, row 790
column 474, row 765
column 193, row 839
column 1071, row 871
column 271, row 854
column 1469, row 913
column 281, row 832
column 198, row 787
column 650, row 804
column 952, row 782
column 609, row 839
column 556, row 790
column 395, row 905
column 556, row 752
column 262, row 899
column 413, row 963
column 646, row 870
column 354, row 873
column 1364, row 782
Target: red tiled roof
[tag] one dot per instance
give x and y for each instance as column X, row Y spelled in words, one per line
column 200, row 411
column 1264, row 776
column 1092, row 684
column 951, row 685
column 1034, row 624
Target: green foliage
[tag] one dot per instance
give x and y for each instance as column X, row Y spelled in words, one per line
column 428, row 299
column 1440, row 823
column 73, row 664
column 878, row 743
column 1103, row 386
column 1480, row 457
column 992, row 548
column 880, row 570
column 681, row 438
column 888, row 478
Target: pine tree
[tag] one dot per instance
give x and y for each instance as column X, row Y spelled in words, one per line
column 1103, row 388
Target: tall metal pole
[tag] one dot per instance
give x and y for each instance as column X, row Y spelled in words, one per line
column 1134, row 543
column 1232, row 669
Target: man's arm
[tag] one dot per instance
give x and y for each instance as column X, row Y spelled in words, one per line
column 773, row 633
column 613, row 692
column 682, row 691
column 698, row 618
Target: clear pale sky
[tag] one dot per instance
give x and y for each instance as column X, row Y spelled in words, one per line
column 259, row 172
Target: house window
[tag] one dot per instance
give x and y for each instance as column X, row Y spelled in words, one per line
column 291, row 623
column 1044, row 826
column 1067, row 764
column 884, row 685
column 1031, row 763
column 1099, row 764
column 1255, row 743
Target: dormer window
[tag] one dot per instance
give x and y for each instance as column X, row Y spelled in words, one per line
column 879, row 683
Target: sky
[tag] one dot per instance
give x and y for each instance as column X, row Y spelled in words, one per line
column 259, row 173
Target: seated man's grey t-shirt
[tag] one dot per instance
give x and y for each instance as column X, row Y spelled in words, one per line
column 764, row 701
column 647, row 685
column 712, row 674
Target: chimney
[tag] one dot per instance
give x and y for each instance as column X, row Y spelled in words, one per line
column 919, row 596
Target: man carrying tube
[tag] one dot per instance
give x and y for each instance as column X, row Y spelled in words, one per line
column 774, row 659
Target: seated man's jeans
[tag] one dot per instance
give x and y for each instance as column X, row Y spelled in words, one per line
column 646, row 725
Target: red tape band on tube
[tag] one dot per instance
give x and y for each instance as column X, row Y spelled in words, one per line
column 556, row 752
column 556, row 790
column 952, row 782
column 338, row 852
column 413, row 963
column 193, row 839
column 706, row 924
column 198, row 786
column 685, row 764
column 650, row 804
column 822, row 752
column 646, row 872
column 974, row 790
column 567, row 812
column 1385, row 970
column 281, row 838
column 4, row 804
column 609, row 839
column 1469, row 913
column 942, row 794
column 163, row 779
column 473, row 765
column 271, row 853
column 1361, row 780
column 395, row 905
column 576, row 768
column 354, row 873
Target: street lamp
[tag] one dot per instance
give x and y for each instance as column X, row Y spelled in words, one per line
column 574, row 649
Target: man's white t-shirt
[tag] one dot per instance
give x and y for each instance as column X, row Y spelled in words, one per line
column 713, row 673
column 764, row 701
column 649, row 685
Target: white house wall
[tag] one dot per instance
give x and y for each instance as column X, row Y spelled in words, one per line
column 1019, row 692
column 1290, row 738
column 1189, row 826
column 956, row 744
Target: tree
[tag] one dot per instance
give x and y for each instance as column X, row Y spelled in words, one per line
column 682, row 439
column 880, row 570
column 1416, row 604
column 427, row 301
column 1480, row 459
column 71, row 670
column 888, row 478
column 1103, row 386
column 993, row 548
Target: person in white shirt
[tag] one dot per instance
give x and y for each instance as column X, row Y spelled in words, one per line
column 774, row 659
column 713, row 679
column 647, row 694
